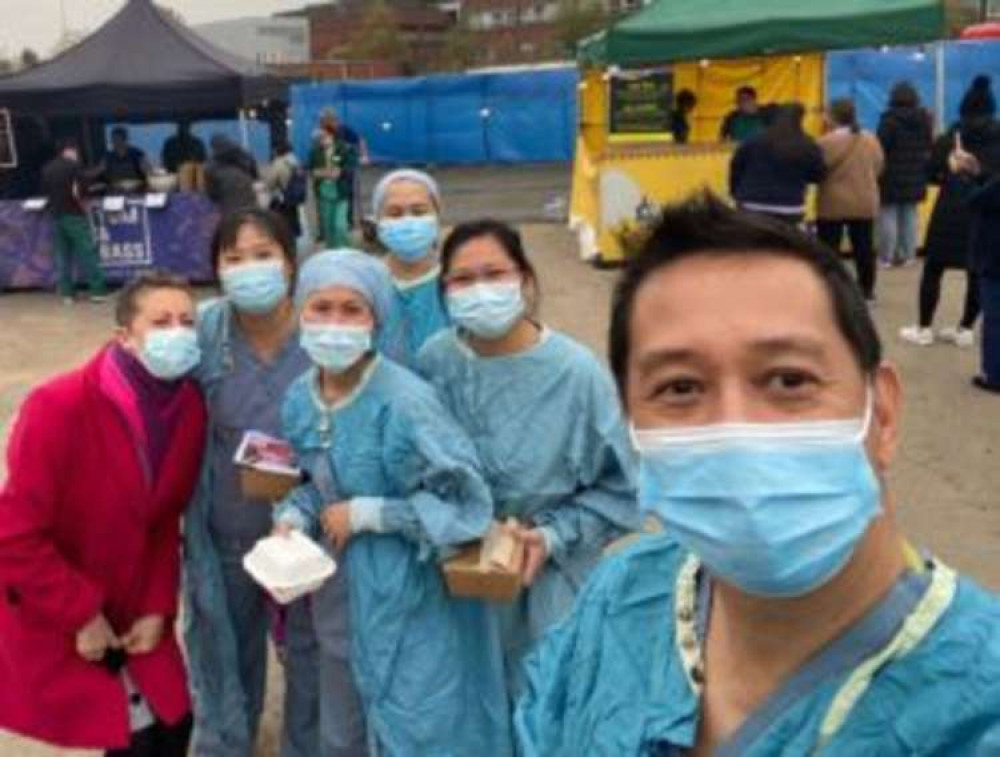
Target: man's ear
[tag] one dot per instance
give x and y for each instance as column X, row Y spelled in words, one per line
column 887, row 410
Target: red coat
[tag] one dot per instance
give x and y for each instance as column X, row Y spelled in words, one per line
column 83, row 530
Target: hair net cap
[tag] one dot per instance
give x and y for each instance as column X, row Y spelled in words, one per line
column 352, row 269
column 404, row 174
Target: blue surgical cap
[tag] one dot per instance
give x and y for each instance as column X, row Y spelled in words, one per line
column 352, row 269
column 403, row 174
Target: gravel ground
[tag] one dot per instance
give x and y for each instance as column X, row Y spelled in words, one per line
column 947, row 479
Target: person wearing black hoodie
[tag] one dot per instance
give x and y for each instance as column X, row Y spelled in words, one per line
column 905, row 131
column 982, row 172
column 948, row 234
column 770, row 172
column 230, row 175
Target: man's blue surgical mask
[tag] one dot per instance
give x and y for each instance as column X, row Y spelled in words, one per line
column 488, row 311
column 170, row 353
column 409, row 238
column 255, row 287
column 335, row 347
column 774, row 509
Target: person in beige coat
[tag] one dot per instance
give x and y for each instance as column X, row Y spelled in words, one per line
column 849, row 195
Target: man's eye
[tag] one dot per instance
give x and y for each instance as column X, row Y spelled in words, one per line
column 679, row 389
column 790, row 381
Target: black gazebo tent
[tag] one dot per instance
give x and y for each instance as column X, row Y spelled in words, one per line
column 140, row 65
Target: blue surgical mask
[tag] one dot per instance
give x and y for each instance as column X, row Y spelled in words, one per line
column 774, row 509
column 335, row 347
column 409, row 238
column 255, row 287
column 170, row 353
column 488, row 311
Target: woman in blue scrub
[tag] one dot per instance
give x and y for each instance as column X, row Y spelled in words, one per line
column 543, row 415
column 251, row 354
column 407, row 206
column 393, row 486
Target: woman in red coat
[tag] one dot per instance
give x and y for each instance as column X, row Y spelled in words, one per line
column 101, row 463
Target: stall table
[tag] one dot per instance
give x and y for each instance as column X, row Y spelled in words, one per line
column 176, row 238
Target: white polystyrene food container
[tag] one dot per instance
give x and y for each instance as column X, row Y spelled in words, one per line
column 289, row 566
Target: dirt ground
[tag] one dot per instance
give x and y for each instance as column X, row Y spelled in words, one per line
column 947, row 479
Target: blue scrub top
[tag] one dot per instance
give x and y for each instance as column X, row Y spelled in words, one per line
column 618, row 678
column 247, row 398
column 549, row 431
column 421, row 312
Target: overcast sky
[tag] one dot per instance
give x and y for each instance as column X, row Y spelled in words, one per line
column 36, row 23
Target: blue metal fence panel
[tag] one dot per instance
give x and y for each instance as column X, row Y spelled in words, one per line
column 450, row 119
column 532, row 118
column 867, row 76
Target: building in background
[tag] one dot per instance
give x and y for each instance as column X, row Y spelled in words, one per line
column 273, row 41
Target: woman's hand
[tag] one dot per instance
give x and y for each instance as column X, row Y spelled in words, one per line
column 96, row 638
column 536, row 554
column 336, row 522
column 144, row 635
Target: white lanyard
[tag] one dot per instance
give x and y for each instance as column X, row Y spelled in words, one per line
column 915, row 628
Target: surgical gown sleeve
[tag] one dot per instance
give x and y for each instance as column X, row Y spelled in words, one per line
column 301, row 508
column 428, row 455
column 604, row 505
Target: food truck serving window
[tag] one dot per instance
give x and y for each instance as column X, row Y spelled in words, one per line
column 640, row 103
column 8, row 153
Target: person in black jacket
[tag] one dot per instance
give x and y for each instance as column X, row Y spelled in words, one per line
column 947, row 243
column 983, row 174
column 905, row 131
column 679, row 124
column 230, row 175
column 769, row 173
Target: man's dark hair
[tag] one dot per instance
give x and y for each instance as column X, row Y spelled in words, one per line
column 747, row 91
column 127, row 304
column 120, row 131
column 706, row 226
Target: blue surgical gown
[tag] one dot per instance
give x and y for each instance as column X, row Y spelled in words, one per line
column 611, row 681
column 420, row 312
column 549, row 431
column 428, row 667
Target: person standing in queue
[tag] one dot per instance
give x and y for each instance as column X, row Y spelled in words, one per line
column 101, row 464
column 394, row 485
column 407, row 206
column 250, row 342
column 783, row 610
column 949, row 229
column 771, row 172
column 848, row 196
column 541, row 411
column 906, row 131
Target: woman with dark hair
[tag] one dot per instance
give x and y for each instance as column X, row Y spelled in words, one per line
column 102, row 462
column 769, row 173
column 905, row 131
column 679, row 123
column 848, row 196
column 250, row 342
column 948, row 235
column 541, row 411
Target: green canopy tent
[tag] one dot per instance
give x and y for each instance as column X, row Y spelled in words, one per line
column 678, row 30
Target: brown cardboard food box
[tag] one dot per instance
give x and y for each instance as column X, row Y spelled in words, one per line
column 489, row 569
column 269, row 486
